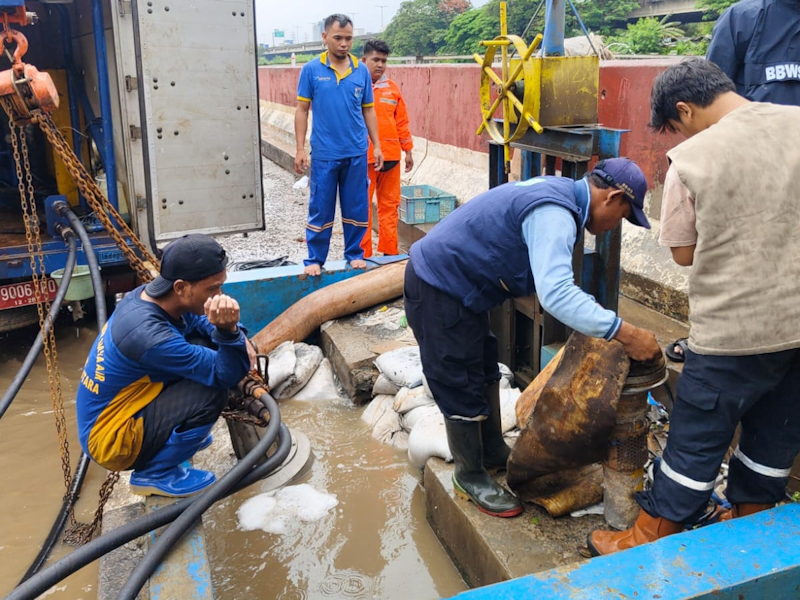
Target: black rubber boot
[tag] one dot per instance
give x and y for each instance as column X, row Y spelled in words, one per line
column 495, row 449
column 470, row 480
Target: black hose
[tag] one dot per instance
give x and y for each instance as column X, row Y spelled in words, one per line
column 82, row 468
column 23, row 372
column 172, row 534
column 63, row 209
column 63, row 568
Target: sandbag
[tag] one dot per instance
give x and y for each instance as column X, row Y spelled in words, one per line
column 402, row 366
column 382, row 418
column 321, row 385
column 384, row 386
column 428, row 438
column 281, row 365
column 407, row 399
column 399, row 440
column 308, row 359
column 414, row 416
column 508, row 405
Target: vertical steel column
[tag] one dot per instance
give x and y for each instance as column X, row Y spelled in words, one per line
column 497, row 166
column 607, row 268
column 103, row 88
column 531, row 164
column 72, row 88
column 554, row 18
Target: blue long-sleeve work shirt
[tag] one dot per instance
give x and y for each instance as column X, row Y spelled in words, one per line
column 550, row 232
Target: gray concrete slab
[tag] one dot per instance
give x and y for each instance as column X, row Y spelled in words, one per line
column 487, row 549
column 353, row 347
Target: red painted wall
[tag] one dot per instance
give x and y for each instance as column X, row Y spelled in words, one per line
column 443, row 104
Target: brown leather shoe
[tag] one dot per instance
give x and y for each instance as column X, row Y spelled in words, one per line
column 646, row 529
column 744, row 509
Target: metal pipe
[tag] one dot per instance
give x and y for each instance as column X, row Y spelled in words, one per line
column 103, row 88
column 623, row 468
column 74, row 114
column 554, row 20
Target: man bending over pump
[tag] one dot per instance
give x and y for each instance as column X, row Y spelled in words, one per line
column 157, row 377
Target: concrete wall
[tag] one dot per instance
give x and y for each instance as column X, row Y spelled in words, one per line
column 444, row 107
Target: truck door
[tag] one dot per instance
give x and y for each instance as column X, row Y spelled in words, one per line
column 188, row 86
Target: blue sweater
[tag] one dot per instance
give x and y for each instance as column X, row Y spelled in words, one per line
column 139, row 351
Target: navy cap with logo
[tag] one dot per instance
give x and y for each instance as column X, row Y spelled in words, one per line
column 192, row 257
column 624, row 174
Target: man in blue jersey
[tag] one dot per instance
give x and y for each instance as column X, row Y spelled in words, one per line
column 515, row 240
column 339, row 88
column 157, row 377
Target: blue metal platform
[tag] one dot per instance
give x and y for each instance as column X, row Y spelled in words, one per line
column 752, row 558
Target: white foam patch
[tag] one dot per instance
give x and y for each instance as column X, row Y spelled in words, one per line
column 274, row 512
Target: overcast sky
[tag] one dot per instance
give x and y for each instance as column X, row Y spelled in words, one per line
column 296, row 16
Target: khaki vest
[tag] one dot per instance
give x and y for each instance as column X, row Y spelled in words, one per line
column 744, row 286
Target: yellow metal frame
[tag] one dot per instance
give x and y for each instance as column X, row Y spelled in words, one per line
column 558, row 91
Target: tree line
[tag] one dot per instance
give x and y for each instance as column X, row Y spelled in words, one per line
column 455, row 27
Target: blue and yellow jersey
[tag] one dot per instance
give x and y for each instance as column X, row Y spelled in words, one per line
column 338, row 130
column 139, row 351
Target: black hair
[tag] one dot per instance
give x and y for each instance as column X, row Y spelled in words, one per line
column 342, row 20
column 378, row 46
column 697, row 81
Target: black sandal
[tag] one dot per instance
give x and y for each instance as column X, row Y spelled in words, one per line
column 676, row 351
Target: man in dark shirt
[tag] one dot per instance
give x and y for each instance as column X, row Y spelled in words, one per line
column 157, row 377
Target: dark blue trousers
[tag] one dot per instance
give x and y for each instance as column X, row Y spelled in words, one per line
column 458, row 351
column 349, row 177
column 715, row 394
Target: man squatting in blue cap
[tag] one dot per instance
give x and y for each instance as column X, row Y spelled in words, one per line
column 157, row 377
column 515, row 240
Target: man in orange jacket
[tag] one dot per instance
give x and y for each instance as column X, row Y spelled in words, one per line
column 394, row 137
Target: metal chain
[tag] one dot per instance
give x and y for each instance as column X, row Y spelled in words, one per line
column 100, row 205
column 34, row 242
column 77, row 533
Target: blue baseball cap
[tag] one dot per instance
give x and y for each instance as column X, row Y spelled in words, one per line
column 192, row 257
column 624, row 174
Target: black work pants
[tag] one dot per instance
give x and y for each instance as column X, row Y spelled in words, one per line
column 458, row 351
column 184, row 404
column 714, row 394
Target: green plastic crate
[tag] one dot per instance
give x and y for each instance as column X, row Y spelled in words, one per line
column 424, row 204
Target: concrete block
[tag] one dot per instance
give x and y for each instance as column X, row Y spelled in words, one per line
column 117, row 566
column 351, row 348
column 488, row 549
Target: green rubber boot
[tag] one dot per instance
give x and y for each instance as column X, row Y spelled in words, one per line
column 471, row 481
column 495, row 449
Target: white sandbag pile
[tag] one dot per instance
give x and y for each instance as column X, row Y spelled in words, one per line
column 299, row 371
column 404, row 414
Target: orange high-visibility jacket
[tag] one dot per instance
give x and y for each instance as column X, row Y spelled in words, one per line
column 392, row 120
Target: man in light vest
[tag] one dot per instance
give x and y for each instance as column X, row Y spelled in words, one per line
column 513, row 241
column 730, row 213
column 390, row 108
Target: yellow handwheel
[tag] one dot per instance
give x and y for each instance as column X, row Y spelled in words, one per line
column 515, row 112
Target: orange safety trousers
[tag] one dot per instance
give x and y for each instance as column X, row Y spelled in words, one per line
column 388, row 188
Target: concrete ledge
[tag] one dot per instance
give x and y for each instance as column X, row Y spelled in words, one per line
column 487, row 549
column 117, row 565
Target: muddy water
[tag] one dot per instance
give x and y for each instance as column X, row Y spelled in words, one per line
column 30, row 463
column 375, row 544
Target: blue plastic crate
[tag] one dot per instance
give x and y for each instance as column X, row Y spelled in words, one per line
column 424, row 204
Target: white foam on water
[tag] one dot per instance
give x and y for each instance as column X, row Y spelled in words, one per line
column 275, row 512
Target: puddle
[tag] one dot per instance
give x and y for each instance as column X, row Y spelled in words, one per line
column 375, row 543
